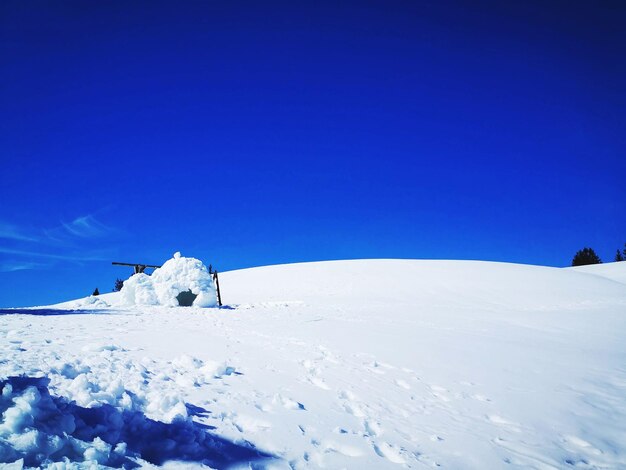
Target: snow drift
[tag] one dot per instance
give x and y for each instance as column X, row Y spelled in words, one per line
column 179, row 282
column 41, row 430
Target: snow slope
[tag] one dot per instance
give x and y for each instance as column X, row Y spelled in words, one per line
column 614, row 271
column 344, row 364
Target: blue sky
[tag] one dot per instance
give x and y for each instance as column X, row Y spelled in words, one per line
column 254, row 133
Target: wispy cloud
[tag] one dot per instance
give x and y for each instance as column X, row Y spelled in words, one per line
column 71, row 242
column 12, row 232
column 82, row 227
column 87, row 227
column 11, row 266
column 70, row 257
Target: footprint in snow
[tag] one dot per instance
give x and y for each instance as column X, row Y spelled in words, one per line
column 373, row 428
column 582, row 444
column 248, row 424
column 313, row 374
column 264, row 407
column 375, row 368
column 353, row 409
column 385, row 450
column 328, row 356
column 403, row 384
column 318, row 382
column 504, row 423
column 439, row 392
column 350, row 404
column 288, row 403
column 481, row 398
column 343, row 449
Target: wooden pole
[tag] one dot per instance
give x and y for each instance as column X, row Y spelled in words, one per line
column 217, row 285
column 136, row 264
column 138, row 268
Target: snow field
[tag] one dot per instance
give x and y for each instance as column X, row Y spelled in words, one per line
column 359, row 364
column 91, row 376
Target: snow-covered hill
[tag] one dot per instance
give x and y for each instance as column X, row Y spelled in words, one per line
column 343, row 364
column 613, row 271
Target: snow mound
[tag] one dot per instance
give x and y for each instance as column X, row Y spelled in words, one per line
column 180, row 281
column 42, row 430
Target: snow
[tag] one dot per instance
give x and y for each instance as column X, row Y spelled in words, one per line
column 346, row 364
column 614, row 271
column 177, row 275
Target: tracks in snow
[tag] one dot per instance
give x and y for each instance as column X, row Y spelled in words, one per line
column 293, row 393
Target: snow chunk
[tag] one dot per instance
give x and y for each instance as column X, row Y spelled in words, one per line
column 40, row 430
column 139, row 290
column 180, row 281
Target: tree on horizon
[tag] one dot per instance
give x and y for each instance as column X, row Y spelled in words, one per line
column 586, row 256
column 118, row 285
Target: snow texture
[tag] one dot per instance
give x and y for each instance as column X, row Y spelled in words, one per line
column 176, row 276
column 366, row 364
column 39, row 429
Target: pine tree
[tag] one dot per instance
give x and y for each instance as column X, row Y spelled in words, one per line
column 96, row 292
column 586, row 256
column 118, row 285
column 619, row 256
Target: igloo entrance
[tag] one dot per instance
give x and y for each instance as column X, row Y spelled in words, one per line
column 186, row 298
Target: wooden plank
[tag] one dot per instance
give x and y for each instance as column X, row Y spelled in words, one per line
column 135, row 264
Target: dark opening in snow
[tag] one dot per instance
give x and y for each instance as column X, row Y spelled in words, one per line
column 186, row 298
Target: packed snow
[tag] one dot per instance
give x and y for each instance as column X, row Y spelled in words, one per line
column 346, row 364
column 164, row 286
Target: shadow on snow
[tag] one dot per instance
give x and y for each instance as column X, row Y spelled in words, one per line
column 81, row 311
column 51, row 311
column 65, row 430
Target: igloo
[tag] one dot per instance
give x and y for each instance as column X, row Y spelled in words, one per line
column 179, row 282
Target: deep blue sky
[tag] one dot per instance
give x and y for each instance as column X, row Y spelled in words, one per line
column 253, row 133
